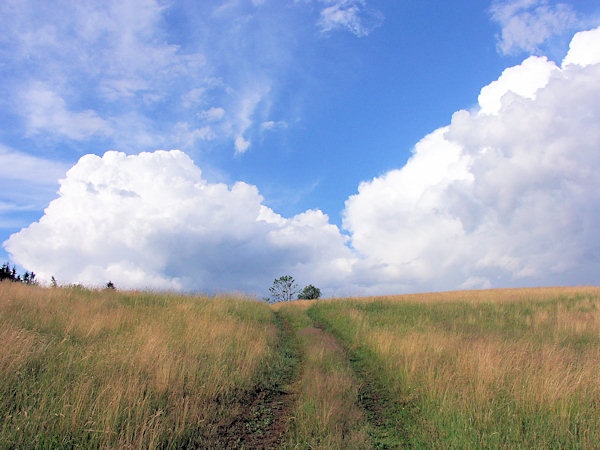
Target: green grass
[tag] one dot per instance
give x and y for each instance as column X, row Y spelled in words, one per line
column 472, row 369
column 470, row 374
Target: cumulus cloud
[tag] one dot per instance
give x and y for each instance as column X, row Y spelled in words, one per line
column 352, row 15
column 151, row 220
column 504, row 195
column 527, row 24
column 523, row 80
column 584, row 48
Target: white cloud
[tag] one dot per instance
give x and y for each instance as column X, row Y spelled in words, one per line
column 212, row 114
column 527, row 24
column 47, row 111
column 245, row 109
column 241, row 145
column 188, row 136
column 151, row 220
column 352, row 15
column 194, row 97
column 584, row 48
column 15, row 165
column 91, row 64
column 29, row 183
column 119, row 46
column 523, row 80
column 398, row 219
column 271, row 125
column 505, row 196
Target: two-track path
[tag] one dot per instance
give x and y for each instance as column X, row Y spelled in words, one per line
column 318, row 393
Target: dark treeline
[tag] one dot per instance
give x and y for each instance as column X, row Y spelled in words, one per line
column 6, row 273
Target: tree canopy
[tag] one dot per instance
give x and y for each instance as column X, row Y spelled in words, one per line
column 6, row 273
column 284, row 288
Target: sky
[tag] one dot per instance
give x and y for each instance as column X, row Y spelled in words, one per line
column 363, row 146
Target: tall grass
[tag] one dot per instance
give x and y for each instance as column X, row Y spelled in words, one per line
column 106, row 368
column 499, row 368
column 484, row 368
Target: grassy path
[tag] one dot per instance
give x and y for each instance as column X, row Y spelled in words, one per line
column 488, row 369
column 316, row 392
column 327, row 413
column 265, row 412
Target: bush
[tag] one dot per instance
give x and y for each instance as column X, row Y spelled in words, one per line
column 309, row 293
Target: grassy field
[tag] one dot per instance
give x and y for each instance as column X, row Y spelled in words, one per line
column 103, row 368
column 501, row 368
column 469, row 369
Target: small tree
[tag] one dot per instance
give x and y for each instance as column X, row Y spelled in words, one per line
column 284, row 288
column 309, row 293
column 110, row 285
column 53, row 282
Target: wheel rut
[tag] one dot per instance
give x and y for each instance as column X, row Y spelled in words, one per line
column 264, row 413
column 386, row 416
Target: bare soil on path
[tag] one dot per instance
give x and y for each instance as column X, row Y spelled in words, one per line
column 264, row 413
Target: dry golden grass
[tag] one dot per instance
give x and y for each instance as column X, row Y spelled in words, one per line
column 467, row 369
column 489, row 295
column 486, row 368
column 124, row 369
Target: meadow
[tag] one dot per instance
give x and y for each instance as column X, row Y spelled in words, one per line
column 467, row 369
column 111, row 369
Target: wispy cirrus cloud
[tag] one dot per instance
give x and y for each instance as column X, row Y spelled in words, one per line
column 82, row 70
column 85, row 67
column 526, row 25
column 352, row 15
column 29, row 183
column 31, row 169
column 46, row 111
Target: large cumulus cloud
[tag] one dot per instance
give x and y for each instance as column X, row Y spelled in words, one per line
column 151, row 220
column 507, row 194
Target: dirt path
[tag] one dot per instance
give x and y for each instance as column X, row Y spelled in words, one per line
column 316, row 392
column 264, row 414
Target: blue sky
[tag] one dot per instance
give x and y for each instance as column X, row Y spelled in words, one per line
column 300, row 100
